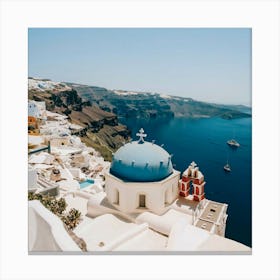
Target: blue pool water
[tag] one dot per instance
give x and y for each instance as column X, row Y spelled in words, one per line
column 204, row 141
column 86, row 183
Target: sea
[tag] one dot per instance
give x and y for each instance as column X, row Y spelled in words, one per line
column 204, row 142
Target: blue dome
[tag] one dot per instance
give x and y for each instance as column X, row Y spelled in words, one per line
column 141, row 162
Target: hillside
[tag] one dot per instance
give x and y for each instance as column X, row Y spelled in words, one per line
column 101, row 128
column 147, row 105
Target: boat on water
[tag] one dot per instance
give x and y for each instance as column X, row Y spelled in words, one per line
column 227, row 167
column 233, row 143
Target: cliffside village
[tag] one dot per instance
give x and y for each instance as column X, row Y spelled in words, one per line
column 58, row 160
column 137, row 202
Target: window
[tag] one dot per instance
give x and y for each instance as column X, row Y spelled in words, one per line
column 142, row 200
column 166, row 196
column 116, row 197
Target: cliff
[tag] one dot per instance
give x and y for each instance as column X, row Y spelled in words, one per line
column 147, row 105
column 101, row 128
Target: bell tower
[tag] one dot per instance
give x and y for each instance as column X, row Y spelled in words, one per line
column 192, row 175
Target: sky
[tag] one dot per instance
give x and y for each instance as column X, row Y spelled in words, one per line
column 207, row 64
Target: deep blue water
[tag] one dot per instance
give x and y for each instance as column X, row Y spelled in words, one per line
column 204, row 141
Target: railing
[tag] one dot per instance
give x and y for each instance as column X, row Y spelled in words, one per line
column 41, row 149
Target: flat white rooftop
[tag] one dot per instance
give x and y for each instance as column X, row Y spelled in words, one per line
column 147, row 240
column 105, row 230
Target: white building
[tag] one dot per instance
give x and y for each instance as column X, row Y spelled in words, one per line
column 33, row 109
column 37, row 109
column 141, row 178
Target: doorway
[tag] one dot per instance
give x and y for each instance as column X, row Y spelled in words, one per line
column 142, row 200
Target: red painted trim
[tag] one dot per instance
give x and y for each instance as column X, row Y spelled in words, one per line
column 195, row 197
column 185, row 179
column 182, row 194
column 196, row 181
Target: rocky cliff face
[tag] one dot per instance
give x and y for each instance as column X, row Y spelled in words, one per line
column 104, row 125
column 126, row 105
column 153, row 105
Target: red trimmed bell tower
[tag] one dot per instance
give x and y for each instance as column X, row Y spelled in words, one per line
column 192, row 174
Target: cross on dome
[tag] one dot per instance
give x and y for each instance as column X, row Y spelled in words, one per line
column 141, row 134
column 193, row 165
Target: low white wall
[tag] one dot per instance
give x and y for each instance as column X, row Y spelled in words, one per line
column 46, row 232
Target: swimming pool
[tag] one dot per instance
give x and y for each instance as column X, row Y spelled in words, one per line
column 86, row 183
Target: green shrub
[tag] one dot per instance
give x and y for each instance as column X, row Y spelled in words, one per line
column 72, row 219
column 58, row 206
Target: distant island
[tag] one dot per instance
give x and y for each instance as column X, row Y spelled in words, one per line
column 98, row 109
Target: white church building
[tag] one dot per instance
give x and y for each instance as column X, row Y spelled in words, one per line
column 141, row 178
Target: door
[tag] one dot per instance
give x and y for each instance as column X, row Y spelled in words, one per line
column 142, row 200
